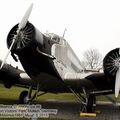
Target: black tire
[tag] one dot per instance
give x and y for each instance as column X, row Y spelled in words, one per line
column 91, row 103
column 23, row 97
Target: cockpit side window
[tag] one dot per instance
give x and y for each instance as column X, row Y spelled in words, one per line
column 55, row 38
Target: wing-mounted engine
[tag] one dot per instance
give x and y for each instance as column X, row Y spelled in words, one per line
column 111, row 66
column 111, row 63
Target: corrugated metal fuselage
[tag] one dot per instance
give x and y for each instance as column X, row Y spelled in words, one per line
column 48, row 72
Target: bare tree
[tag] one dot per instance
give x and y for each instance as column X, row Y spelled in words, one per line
column 92, row 59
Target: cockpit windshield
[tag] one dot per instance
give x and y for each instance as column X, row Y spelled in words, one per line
column 53, row 36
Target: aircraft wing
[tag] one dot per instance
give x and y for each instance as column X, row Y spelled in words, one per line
column 10, row 75
column 89, row 81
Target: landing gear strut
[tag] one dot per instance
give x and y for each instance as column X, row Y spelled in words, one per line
column 87, row 100
column 26, row 96
column 91, row 104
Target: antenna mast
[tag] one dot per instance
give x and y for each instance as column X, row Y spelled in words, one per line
column 64, row 32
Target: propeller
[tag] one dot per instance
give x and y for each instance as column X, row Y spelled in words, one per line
column 23, row 22
column 117, row 81
column 21, row 25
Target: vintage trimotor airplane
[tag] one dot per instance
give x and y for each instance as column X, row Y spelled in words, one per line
column 51, row 66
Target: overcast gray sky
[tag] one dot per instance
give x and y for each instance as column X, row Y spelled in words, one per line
column 89, row 23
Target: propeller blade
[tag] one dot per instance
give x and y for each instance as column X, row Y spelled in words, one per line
column 24, row 20
column 117, row 83
column 2, row 64
column 21, row 25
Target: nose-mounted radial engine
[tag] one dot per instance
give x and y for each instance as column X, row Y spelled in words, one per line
column 111, row 66
column 24, row 38
column 16, row 34
column 27, row 38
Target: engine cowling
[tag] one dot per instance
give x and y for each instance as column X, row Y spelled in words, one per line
column 23, row 39
column 28, row 36
column 111, row 64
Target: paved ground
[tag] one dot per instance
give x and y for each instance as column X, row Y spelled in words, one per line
column 71, row 110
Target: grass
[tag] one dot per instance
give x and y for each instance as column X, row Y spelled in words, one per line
column 11, row 96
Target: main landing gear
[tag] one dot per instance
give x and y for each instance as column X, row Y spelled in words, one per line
column 23, row 98
column 87, row 100
column 26, row 97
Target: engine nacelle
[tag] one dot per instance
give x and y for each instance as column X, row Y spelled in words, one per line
column 111, row 64
column 26, row 37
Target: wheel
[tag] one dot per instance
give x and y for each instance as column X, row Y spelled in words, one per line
column 91, row 103
column 23, row 98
